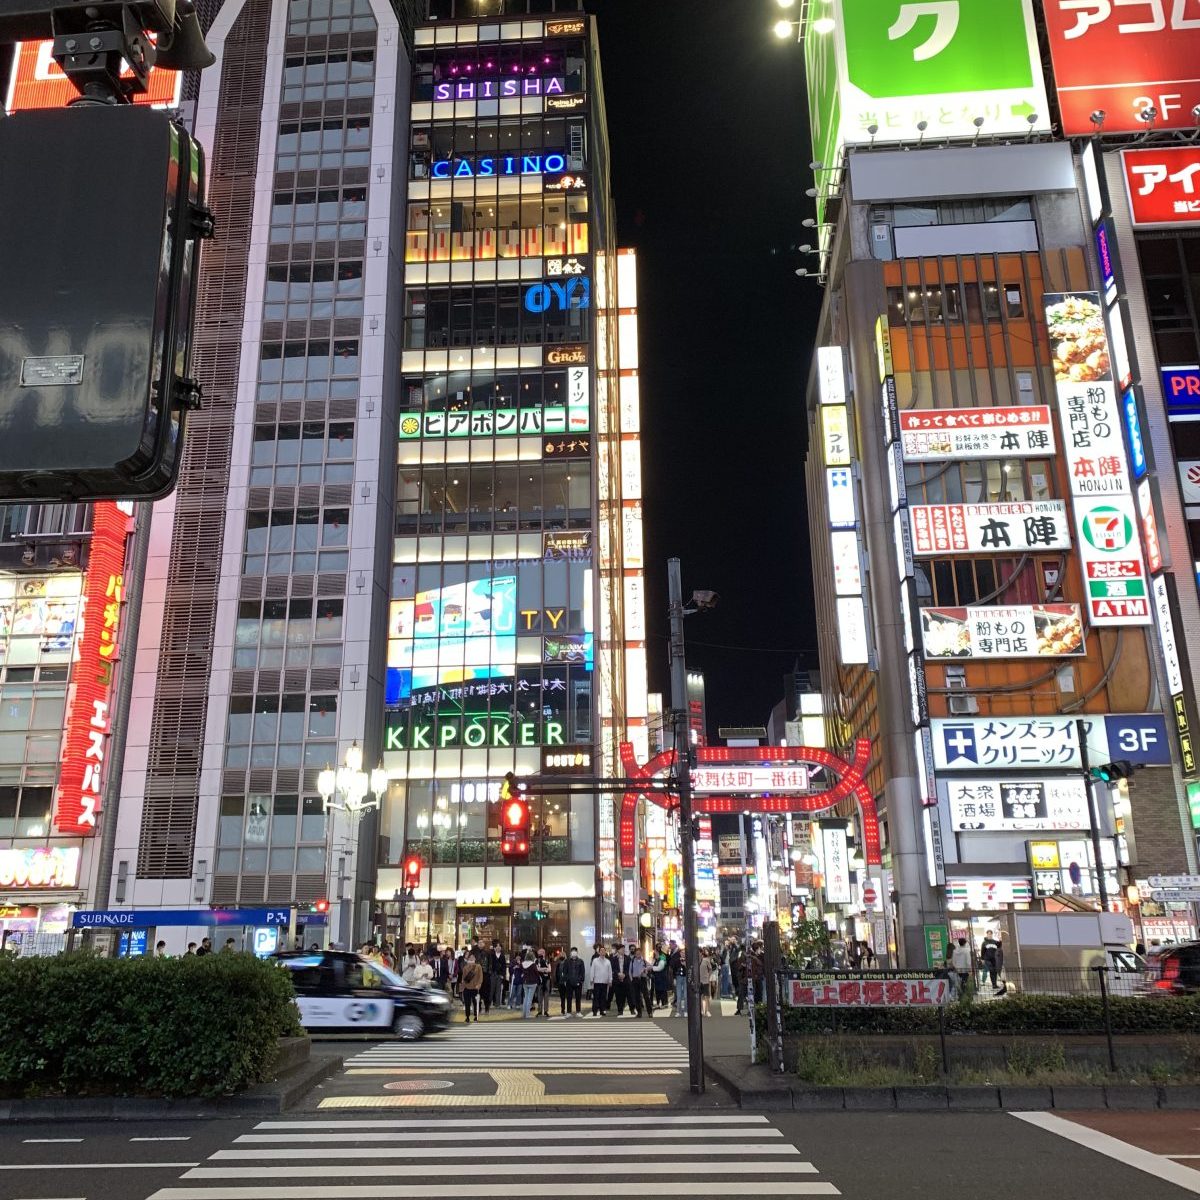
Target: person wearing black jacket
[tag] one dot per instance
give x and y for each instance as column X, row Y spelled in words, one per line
column 496, row 967
column 621, row 962
column 573, row 975
column 485, row 990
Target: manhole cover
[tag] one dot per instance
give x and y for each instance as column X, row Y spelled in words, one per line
column 418, row 1085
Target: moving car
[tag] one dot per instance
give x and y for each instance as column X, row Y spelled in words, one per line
column 339, row 991
column 1174, row 970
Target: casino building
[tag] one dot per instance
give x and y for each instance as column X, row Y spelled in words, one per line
column 515, row 637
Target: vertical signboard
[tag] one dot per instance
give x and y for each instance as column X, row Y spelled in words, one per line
column 1107, row 528
column 835, row 860
column 85, row 740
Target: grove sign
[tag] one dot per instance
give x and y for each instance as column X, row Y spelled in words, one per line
column 896, row 63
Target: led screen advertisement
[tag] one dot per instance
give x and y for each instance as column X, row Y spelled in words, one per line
column 1125, row 57
column 461, row 632
column 907, row 70
column 37, row 81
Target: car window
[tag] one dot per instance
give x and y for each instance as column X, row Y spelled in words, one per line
column 309, row 973
column 1125, row 960
column 352, row 973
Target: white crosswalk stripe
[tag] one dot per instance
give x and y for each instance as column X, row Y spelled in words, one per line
column 434, row 1157
column 528, row 1045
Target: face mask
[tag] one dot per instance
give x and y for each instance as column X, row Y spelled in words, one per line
column 574, row 954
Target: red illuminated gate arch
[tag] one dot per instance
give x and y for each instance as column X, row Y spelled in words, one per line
column 851, row 781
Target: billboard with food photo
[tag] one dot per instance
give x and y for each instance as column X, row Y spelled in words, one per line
column 1003, row 631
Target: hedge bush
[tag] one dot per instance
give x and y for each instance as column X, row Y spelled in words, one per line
column 1021, row 1013
column 83, row 1025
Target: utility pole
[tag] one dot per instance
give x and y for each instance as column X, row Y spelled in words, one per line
column 683, row 771
column 1093, row 815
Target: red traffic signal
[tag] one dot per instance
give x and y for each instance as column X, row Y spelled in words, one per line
column 412, row 871
column 514, row 830
column 321, row 906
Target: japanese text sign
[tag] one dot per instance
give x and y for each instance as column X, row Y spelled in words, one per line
column 77, row 799
column 989, row 528
column 935, row 434
column 1124, row 56
column 1003, row 631
column 901, row 63
column 991, row 805
column 750, row 780
column 1162, row 184
column 868, row 989
column 494, row 422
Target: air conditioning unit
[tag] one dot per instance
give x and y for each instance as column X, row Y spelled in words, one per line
column 962, row 706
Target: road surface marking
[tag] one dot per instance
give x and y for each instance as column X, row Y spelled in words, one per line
column 454, row 1191
column 546, row 1135
column 49, row 1141
column 161, row 1139
column 518, row 1122
column 545, row 1170
column 61, row 1166
column 1134, row 1156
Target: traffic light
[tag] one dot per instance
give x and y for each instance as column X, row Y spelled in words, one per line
column 514, row 821
column 412, row 871
column 320, row 906
column 1113, row 771
column 101, row 215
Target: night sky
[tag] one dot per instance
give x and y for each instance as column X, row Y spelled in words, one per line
column 710, row 154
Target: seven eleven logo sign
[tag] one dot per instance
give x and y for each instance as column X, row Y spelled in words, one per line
column 1107, row 528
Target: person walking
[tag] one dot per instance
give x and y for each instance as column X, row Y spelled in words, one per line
column 639, row 978
column 602, row 977
column 987, row 953
column 961, row 962
column 472, row 981
column 741, row 975
column 560, row 980
column 516, row 993
column 620, row 965
column 573, row 974
column 706, row 978
column 726, row 971
column 758, row 971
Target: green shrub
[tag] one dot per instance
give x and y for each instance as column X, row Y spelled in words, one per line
column 82, row 1025
column 1021, row 1013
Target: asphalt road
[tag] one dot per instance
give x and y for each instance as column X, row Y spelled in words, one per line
column 641, row 1153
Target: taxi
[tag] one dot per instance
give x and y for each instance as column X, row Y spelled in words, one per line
column 339, row 992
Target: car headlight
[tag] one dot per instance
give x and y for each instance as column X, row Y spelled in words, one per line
column 439, row 999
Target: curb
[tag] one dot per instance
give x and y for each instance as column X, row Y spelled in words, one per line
column 777, row 1096
column 268, row 1099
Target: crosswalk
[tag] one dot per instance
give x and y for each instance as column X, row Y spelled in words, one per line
column 534, row 1046
column 695, row 1155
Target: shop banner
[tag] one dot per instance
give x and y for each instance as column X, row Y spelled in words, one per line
column 936, row 434
column 497, row 422
column 750, row 780
column 1107, row 534
column 33, row 868
column 868, row 989
column 1037, row 805
column 1120, row 57
column 989, row 528
column 993, row 631
column 1162, row 186
column 835, row 865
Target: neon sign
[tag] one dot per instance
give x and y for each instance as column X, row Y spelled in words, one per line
column 510, row 164
column 576, row 292
column 475, row 732
column 496, row 89
column 77, row 801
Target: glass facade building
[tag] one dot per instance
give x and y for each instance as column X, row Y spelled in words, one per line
column 507, row 642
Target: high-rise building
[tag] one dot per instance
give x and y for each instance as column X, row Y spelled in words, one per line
column 515, row 638
column 995, row 588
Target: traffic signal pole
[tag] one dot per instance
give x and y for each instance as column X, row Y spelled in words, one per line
column 683, row 777
column 1093, row 815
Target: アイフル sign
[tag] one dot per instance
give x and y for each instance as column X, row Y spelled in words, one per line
column 1162, row 185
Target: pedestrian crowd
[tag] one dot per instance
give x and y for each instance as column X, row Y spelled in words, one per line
column 635, row 981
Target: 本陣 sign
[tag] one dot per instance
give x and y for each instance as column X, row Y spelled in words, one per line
column 1162, row 185
column 914, row 69
column 1041, row 742
column 1107, row 533
column 989, row 528
column 934, row 434
column 869, row 989
column 1123, row 57
column 992, row 805
column 996, row 631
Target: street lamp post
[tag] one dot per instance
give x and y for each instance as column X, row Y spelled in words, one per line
column 683, row 774
column 350, row 790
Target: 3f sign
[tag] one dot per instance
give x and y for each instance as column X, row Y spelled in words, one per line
column 1137, row 741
